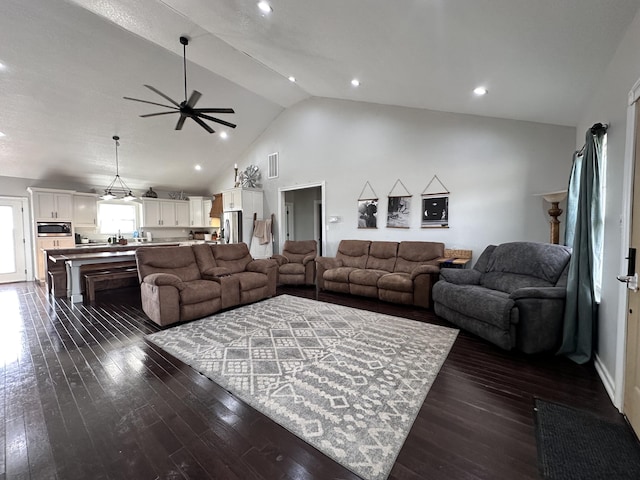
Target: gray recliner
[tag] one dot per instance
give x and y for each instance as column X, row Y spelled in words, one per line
column 514, row 295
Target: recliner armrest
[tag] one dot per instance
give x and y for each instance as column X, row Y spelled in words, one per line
column 164, row 279
column 261, row 265
column 460, row 276
column 281, row 259
column 309, row 258
column 422, row 269
column 539, row 292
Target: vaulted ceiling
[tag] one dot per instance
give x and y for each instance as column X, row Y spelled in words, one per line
column 67, row 65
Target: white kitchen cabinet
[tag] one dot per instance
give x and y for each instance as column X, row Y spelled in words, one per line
column 199, row 208
column 165, row 213
column 246, row 199
column 51, row 205
column 49, row 243
column 85, row 210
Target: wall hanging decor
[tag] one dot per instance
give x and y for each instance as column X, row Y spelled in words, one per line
column 435, row 205
column 399, row 207
column 367, row 207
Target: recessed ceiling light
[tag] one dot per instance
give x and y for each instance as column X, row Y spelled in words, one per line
column 2, row 134
column 198, row 167
column 355, row 82
column 265, row 7
column 292, row 79
column 2, row 66
column 223, row 135
column 480, row 91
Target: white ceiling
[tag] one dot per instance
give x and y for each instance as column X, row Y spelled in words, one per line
column 69, row 63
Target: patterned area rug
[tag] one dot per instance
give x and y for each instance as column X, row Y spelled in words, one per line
column 347, row 381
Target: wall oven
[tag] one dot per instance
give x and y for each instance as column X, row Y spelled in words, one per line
column 54, row 229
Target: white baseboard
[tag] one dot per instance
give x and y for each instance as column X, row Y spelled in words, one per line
column 607, row 381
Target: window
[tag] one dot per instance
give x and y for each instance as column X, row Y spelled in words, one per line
column 114, row 217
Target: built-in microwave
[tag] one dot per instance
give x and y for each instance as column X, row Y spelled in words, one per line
column 54, row 229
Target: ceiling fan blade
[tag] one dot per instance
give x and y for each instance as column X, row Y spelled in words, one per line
column 153, row 89
column 217, row 120
column 203, row 125
column 193, row 99
column 150, row 103
column 181, row 122
column 156, row 114
column 214, row 110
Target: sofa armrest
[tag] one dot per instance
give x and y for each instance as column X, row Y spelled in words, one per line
column 309, row 258
column 424, row 269
column 215, row 272
column 164, row 279
column 281, row 259
column 262, row 265
column 539, row 292
column 328, row 262
column 460, row 276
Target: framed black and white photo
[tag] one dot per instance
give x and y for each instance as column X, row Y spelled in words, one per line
column 368, row 213
column 399, row 212
column 435, row 211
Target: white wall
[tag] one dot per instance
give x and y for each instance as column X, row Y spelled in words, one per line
column 609, row 105
column 492, row 168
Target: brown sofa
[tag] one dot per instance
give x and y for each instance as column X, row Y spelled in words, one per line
column 296, row 265
column 184, row 283
column 395, row 272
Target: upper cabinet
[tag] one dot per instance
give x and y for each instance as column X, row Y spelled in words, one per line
column 85, row 210
column 246, row 199
column 164, row 213
column 51, row 204
column 199, row 210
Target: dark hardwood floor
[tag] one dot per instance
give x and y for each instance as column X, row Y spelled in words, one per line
column 83, row 396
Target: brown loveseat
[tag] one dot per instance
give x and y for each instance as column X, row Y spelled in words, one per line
column 184, row 283
column 395, row 272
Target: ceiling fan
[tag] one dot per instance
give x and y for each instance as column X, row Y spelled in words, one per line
column 187, row 108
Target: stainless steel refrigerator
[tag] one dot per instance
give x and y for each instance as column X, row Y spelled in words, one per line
column 232, row 226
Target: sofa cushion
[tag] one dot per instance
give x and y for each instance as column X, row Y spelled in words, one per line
column 340, row 274
column 366, row 276
column 525, row 264
column 234, row 256
column 382, row 256
column 353, row 253
column 296, row 251
column 412, row 254
column 399, row 282
column 292, row 269
column 198, row 291
column 469, row 300
column 179, row 261
column 251, row 280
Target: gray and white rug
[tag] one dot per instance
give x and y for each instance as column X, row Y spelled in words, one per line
column 347, row 381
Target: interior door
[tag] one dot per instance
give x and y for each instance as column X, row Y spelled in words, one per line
column 13, row 260
column 632, row 363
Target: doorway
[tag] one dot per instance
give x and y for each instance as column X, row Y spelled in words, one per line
column 303, row 208
column 13, row 240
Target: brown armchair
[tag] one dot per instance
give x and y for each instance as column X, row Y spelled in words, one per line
column 296, row 264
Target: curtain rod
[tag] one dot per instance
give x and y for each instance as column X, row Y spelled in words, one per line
column 594, row 130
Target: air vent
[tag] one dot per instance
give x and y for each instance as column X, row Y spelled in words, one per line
column 273, row 165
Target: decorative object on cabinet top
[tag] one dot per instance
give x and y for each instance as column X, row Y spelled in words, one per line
column 178, row 196
column 150, row 193
column 250, row 177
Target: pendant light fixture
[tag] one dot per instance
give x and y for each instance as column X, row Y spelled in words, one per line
column 123, row 189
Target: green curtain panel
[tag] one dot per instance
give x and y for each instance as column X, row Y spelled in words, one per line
column 585, row 236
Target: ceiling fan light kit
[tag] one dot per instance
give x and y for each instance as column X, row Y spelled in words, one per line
column 186, row 109
column 120, row 186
